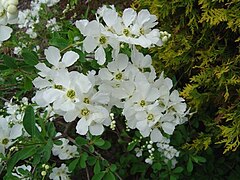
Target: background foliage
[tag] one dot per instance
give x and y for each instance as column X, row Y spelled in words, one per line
column 203, row 58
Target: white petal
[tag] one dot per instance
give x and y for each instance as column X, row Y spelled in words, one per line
column 143, row 16
column 71, row 116
column 51, row 95
column 122, row 61
column 16, row 131
column 89, row 44
column 141, row 125
column 69, row 58
column 53, row 55
column 82, row 126
column 129, row 16
column 168, row 127
column 41, row 83
column 93, row 28
column 100, row 55
column 81, row 25
column 5, row 33
column 104, row 74
column 96, row 129
column 156, row 135
column 110, row 17
column 68, row 105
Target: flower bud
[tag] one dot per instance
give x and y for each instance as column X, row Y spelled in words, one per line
column 12, row 9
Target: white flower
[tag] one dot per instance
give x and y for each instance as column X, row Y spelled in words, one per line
column 8, row 134
column 64, row 151
column 18, row 173
column 60, row 173
column 97, row 39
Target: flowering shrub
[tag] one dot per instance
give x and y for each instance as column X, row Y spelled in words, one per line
column 78, row 90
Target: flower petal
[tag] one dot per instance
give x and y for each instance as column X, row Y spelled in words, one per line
column 5, row 33
column 129, row 16
column 53, row 55
column 100, row 55
column 69, row 58
column 82, row 126
column 96, row 129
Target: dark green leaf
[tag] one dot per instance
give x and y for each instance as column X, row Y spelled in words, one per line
column 73, row 164
column 131, row 145
column 178, row 170
column 99, row 142
column 157, row 166
column 83, row 159
column 189, row 165
column 81, row 141
column 97, row 167
column 106, row 145
column 98, row 176
column 91, row 160
column 109, row 176
column 9, row 62
column 113, row 167
column 29, row 121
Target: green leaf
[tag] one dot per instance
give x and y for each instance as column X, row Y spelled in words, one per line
column 172, row 177
column 131, row 145
column 83, row 159
column 178, row 170
column 10, row 62
column 113, row 167
column 91, row 160
column 109, row 176
column 29, row 121
column 27, row 84
column 189, row 165
column 97, row 167
column 157, row 166
column 73, row 164
column 47, row 151
column 91, row 149
column 20, row 155
column 59, row 42
column 98, row 176
column 30, row 57
column 106, row 145
column 81, row 141
column 99, row 142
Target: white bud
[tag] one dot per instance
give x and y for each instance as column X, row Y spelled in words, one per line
column 43, row 173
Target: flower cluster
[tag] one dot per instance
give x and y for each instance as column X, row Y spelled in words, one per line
column 110, row 29
column 11, row 126
column 28, row 18
column 8, row 15
column 148, row 102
